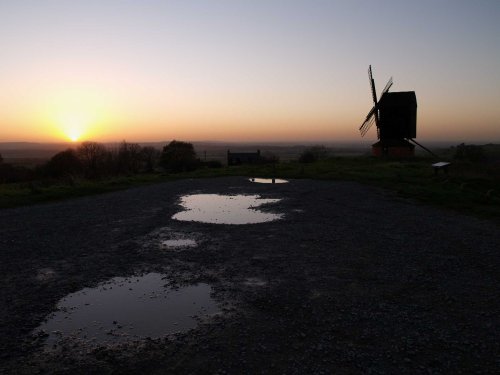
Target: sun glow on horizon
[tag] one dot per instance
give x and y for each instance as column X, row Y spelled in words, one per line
column 73, row 125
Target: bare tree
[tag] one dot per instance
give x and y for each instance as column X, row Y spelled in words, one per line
column 94, row 158
column 129, row 157
column 150, row 157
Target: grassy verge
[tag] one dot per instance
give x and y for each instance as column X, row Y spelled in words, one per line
column 21, row 194
column 469, row 188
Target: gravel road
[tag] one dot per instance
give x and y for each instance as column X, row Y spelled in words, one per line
column 351, row 280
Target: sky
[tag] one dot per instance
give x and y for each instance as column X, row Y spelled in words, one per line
column 244, row 70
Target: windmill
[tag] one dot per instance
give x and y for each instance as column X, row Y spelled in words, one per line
column 395, row 116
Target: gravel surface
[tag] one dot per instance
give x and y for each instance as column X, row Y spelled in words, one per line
column 352, row 280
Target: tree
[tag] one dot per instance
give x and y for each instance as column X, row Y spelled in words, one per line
column 64, row 163
column 94, row 158
column 150, row 157
column 178, row 156
column 129, row 157
column 1, row 159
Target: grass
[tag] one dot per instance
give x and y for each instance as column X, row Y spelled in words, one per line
column 469, row 188
column 22, row 194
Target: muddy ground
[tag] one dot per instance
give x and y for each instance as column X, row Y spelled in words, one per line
column 356, row 281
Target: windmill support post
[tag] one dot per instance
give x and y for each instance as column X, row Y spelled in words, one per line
column 422, row 146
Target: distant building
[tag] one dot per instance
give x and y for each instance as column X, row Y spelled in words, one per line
column 237, row 158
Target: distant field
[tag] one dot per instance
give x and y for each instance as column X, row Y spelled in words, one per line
column 472, row 188
column 31, row 154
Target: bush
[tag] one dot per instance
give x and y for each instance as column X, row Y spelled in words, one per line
column 469, row 152
column 178, row 156
column 269, row 158
column 314, row 153
column 64, row 163
column 10, row 173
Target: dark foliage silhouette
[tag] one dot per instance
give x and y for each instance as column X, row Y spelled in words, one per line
column 178, row 156
column 269, row 157
column 95, row 159
column 13, row 173
column 64, row 163
column 150, row 157
column 129, row 158
column 472, row 153
column 312, row 154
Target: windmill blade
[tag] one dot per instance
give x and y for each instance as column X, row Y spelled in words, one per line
column 372, row 85
column 371, row 113
column 366, row 125
column 387, row 87
column 370, row 118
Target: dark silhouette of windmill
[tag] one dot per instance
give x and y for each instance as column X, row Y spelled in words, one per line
column 395, row 116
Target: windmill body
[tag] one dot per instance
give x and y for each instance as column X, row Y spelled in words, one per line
column 395, row 116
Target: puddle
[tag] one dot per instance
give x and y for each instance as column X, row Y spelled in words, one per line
column 269, row 180
column 166, row 238
column 45, row 274
column 254, row 281
column 225, row 209
column 176, row 244
column 125, row 309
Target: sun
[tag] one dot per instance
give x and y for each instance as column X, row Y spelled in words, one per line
column 74, row 114
column 74, row 126
column 74, row 134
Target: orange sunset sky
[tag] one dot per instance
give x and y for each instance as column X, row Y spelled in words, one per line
column 230, row 70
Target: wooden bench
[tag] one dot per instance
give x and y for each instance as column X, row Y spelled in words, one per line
column 441, row 165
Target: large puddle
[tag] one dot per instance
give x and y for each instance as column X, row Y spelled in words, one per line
column 225, row 209
column 268, row 180
column 179, row 243
column 125, row 309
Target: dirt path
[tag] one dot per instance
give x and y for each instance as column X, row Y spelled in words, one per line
column 356, row 281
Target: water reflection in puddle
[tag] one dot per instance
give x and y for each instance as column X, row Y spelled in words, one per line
column 225, row 209
column 269, row 180
column 124, row 309
column 177, row 244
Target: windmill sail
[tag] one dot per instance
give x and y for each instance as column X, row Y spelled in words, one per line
column 367, row 124
column 387, row 87
column 374, row 95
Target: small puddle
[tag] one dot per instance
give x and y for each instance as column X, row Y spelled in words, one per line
column 269, row 180
column 125, row 309
column 177, row 244
column 45, row 274
column 225, row 209
column 254, row 281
